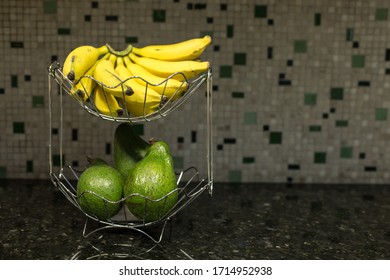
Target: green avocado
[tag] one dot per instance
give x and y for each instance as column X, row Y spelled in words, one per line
column 99, row 190
column 129, row 148
column 150, row 188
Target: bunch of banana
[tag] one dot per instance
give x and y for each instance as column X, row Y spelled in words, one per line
column 138, row 79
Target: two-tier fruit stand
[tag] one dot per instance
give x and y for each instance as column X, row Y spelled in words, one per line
column 65, row 177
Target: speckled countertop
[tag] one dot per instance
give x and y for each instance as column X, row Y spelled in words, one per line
column 252, row 221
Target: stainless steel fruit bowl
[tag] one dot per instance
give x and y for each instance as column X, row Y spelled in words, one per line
column 189, row 187
column 167, row 105
column 65, row 177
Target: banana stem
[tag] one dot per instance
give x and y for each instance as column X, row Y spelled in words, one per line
column 120, row 53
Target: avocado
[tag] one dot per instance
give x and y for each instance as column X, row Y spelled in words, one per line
column 129, row 148
column 99, row 190
column 150, row 189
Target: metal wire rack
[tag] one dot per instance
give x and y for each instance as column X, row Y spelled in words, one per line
column 189, row 183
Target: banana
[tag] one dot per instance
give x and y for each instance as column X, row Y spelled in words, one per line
column 144, row 100
column 106, row 103
column 106, row 75
column 80, row 60
column 188, row 68
column 185, row 50
column 170, row 88
column 84, row 87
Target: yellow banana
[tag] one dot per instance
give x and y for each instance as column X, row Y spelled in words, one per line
column 80, row 60
column 188, row 68
column 84, row 87
column 185, row 50
column 105, row 74
column 170, row 88
column 106, row 103
column 144, row 100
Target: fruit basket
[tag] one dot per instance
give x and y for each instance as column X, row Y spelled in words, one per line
column 65, row 177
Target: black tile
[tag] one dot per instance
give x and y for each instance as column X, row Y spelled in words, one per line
column 325, row 115
column 111, row 18
column 216, row 48
column 17, row 45
column 229, row 140
column 362, row 155
column 193, row 136
column 94, row 4
column 219, row 147
column 180, row 139
column 210, row 20
column 75, row 134
column 2, row 90
column 355, row 45
column 108, row 148
column 190, row 6
column 387, row 55
column 285, row 82
column 223, row 7
column 87, row 18
column 270, row 51
column 294, row 167
column 200, row 6
column 270, row 21
column 27, row 78
column 370, row 168
column 265, row 127
column 290, row 62
column 364, row 83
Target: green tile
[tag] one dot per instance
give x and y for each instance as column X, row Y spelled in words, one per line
column 346, row 152
column 300, row 46
column 225, row 71
column 275, row 137
column 50, row 6
column 341, row 123
column 358, row 61
column 317, row 19
column 336, row 93
column 320, row 157
column 349, row 34
column 250, row 117
column 240, row 58
column 131, row 39
column 315, row 128
column 56, row 159
column 310, row 99
column 229, row 31
column 18, row 127
column 178, row 162
column 381, row 13
column 14, row 81
column 381, row 114
column 235, row 176
column 261, row 11
column 158, row 15
column 63, row 31
column 236, row 94
column 38, row 101
column 247, row 160
column 29, row 166
column 3, row 172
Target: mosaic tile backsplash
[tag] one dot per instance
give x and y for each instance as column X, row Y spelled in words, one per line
column 301, row 88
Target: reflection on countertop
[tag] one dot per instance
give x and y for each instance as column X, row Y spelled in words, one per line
column 248, row 221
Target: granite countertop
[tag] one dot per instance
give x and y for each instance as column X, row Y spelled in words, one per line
column 248, row 221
